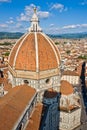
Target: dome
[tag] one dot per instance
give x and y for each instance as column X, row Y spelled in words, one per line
column 34, row 52
column 66, row 88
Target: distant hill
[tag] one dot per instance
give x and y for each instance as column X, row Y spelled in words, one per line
column 9, row 35
column 16, row 35
column 70, row 35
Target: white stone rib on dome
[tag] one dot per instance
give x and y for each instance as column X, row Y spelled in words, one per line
column 19, row 49
column 37, row 57
column 55, row 46
column 15, row 45
column 52, row 48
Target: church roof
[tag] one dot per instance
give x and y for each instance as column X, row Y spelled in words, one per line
column 35, row 120
column 13, row 105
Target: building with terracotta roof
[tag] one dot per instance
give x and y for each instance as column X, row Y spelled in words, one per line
column 35, row 101
column 16, row 106
column 69, row 108
column 35, row 61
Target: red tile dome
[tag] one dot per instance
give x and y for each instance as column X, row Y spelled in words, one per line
column 34, row 52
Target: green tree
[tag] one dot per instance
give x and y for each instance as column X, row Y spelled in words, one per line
column 84, row 57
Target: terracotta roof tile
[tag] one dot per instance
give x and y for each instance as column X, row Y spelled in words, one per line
column 47, row 58
column 56, row 49
column 14, row 50
column 3, row 65
column 68, row 108
column 66, row 88
column 70, row 73
column 35, row 120
column 13, row 104
column 26, row 58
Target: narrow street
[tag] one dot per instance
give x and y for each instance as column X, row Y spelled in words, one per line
column 83, row 96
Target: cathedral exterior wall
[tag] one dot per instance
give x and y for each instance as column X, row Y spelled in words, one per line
column 74, row 80
column 40, row 84
column 69, row 120
column 21, row 123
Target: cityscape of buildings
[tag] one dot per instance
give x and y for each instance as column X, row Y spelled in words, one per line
column 43, row 83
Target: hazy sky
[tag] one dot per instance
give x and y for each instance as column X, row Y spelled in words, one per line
column 56, row 16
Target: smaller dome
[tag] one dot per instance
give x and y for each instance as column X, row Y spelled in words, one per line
column 66, row 88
